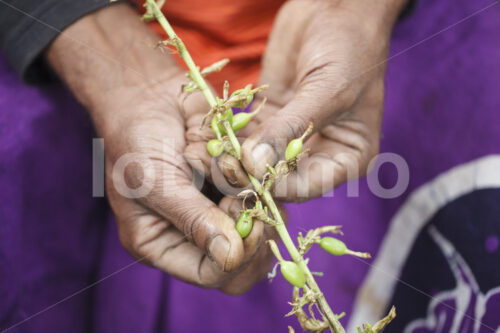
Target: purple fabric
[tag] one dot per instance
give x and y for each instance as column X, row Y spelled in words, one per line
column 55, row 239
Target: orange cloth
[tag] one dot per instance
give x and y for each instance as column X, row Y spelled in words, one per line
column 217, row 29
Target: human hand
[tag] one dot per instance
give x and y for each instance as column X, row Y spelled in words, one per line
column 325, row 64
column 163, row 218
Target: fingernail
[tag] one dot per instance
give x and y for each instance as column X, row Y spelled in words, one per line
column 218, row 250
column 263, row 154
column 232, row 171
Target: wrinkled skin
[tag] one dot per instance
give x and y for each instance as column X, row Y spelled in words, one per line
column 164, row 220
column 319, row 64
column 172, row 227
column 325, row 64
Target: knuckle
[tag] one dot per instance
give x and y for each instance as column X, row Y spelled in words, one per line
column 193, row 224
column 209, row 276
column 346, row 96
column 210, row 282
column 189, row 224
column 295, row 123
column 232, row 170
column 371, row 154
column 126, row 242
column 333, row 83
column 130, row 243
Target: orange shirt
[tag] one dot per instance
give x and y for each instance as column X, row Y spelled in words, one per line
column 217, row 29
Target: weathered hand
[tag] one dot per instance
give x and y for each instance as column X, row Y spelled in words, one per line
column 175, row 227
column 163, row 218
column 324, row 64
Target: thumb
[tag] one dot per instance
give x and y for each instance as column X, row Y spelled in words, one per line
column 266, row 146
column 204, row 223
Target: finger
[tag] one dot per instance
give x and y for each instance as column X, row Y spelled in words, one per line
column 317, row 173
column 338, row 153
column 236, row 177
column 233, row 207
column 225, row 172
column 197, row 155
column 198, row 218
column 308, row 89
column 255, row 272
column 196, row 133
column 190, row 264
column 314, row 103
column 194, row 103
column 233, row 171
column 260, row 265
column 154, row 241
column 183, row 260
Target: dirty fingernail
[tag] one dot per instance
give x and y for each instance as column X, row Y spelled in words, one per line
column 218, row 250
column 263, row 154
column 232, row 171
